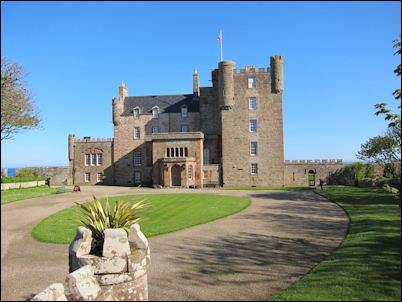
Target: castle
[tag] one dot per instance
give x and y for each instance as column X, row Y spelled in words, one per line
column 230, row 134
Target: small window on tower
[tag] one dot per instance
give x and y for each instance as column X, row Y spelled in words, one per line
column 251, row 82
column 252, row 103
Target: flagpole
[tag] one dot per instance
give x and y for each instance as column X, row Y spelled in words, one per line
column 221, row 46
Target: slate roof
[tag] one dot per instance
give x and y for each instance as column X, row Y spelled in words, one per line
column 166, row 103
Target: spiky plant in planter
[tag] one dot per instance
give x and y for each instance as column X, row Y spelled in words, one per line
column 97, row 218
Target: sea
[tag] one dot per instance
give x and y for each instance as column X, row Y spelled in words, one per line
column 10, row 172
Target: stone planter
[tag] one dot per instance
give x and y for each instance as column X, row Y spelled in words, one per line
column 121, row 272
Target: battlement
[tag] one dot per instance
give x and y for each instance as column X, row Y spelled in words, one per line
column 93, row 140
column 252, row 69
column 315, row 162
column 277, row 58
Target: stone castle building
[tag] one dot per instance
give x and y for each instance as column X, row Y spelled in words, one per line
column 230, row 134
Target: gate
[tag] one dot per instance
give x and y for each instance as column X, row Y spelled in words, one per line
column 311, row 178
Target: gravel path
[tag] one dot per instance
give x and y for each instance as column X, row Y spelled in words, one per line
column 250, row 255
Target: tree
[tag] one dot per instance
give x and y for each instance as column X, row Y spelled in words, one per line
column 382, row 149
column 389, row 116
column 17, row 111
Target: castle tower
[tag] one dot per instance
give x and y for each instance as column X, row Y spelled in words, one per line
column 226, row 84
column 196, row 84
column 277, row 74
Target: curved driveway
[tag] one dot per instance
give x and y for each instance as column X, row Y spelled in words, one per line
column 250, row 255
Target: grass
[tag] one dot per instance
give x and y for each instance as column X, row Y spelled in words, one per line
column 20, row 179
column 286, row 188
column 165, row 213
column 367, row 265
column 25, row 193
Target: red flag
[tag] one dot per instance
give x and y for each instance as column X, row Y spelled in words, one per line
column 220, row 37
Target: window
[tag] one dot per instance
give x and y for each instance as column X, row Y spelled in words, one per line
column 172, row 152
column 251, row 82
column 177, row 152
column 155, row 130
column 93, row 159
column 254, row 169
column 87, row 177
column 99, row 177
column 167, row 152
column 185, row 152
column 184, row 128
column 253, row 125
column 190, row 172
column 184, row 111
column 100, row 160
column 136, row 132
column 87, row 159
column 137, row 158
column 137, row 177
column 155, row 112
column 252, row 103
column 136, row 113
column 253, row 148
column 205, row 174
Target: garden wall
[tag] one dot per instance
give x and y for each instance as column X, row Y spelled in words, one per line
column 58, row 175
column 19, row 185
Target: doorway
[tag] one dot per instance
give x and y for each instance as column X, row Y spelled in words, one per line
column 176, row 175
column 311, row 178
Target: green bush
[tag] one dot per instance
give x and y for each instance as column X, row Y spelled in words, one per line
column 25, row 173
column 390, row 170
column 370, row 171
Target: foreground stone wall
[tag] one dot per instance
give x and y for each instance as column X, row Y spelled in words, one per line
column 119, row 275
column 20, row 185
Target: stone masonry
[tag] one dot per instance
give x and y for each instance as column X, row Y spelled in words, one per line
column 229, row 134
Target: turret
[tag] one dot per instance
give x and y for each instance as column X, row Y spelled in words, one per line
column 118, row 103
column 226, row 84
column 277, row 74
column 196, row 84
column 71, row 140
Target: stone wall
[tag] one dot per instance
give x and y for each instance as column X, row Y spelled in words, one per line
column 20, row 185
column 4, row 172
column 296, row 172
column 58, row 175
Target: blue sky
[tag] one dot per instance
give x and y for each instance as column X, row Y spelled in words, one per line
column 338, row 63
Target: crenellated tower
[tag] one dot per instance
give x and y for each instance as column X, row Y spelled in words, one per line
column 226, row 84
column 277, row 74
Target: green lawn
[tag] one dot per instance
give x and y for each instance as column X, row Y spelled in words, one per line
column 25, row 193
column 367, row 266
column 287, row 188
column 165, row 213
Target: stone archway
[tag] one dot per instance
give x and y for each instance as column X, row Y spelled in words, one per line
column 176, row 175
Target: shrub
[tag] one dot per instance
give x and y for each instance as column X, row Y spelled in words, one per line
column 97, row 218
column 390, row 170
column 25, row 173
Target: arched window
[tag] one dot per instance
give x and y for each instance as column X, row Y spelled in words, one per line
column 172, row 152
column 167, row 152
column 185, row 152
column 181, row 152
column 177, row 152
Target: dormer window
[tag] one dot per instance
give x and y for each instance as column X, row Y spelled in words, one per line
column 184, row 111
column 155, row 112
column 136, row 113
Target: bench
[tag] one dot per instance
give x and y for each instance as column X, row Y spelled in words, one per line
column 61, row 190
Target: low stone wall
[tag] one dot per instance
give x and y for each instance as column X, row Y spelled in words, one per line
column 20, row 185
column 4, row 172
